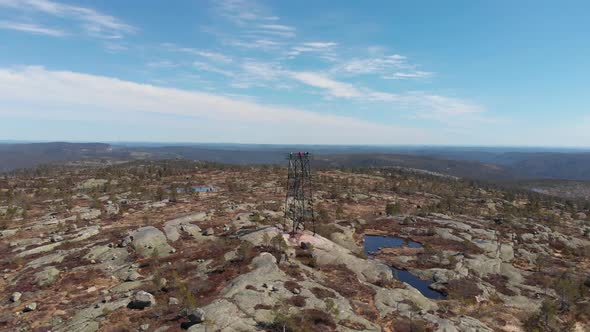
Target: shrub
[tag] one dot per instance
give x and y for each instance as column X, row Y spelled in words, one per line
column 392, row 209
column 245, row 251
column 322, row 293
column 298, row 301
column 326, row 230
column 331, row 306
column 292, row 286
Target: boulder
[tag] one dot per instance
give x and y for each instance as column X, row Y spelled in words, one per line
column 327, row 252
column 30, row 307
column 226, row 317
column 141, row 300
column 86, row 320
column 133, row 276
column 258, row 237
column 57, row 238
column 149, row 240
column 345, row 238
column 506, row 252
column 173, row 227
column 15, row 297
column 482, row 265
column 446, row 234
column 47, row 276
column 54, row 258
column 196, row 315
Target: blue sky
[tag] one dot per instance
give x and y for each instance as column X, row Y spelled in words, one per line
column 315, row 72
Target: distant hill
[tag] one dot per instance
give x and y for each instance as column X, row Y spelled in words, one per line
column 25, row 155
column 460, row 168
column 486, row 164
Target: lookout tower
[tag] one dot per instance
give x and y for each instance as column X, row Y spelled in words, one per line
column 299, row 201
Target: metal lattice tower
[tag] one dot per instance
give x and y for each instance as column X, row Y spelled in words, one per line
column 299, row 201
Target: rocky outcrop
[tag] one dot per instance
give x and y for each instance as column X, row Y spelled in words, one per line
column 327, row 252
column 174, row 227
column 149, row 240
column 87, row 320
column 47, row 276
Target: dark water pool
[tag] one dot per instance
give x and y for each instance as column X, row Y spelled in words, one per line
column 200, row 189
column 374, row 242
column 420, row 284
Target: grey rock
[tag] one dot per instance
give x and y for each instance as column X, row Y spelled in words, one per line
column 57, row 238
column 30, row 307
column 133, row 276
column 144, row 327
column 173, row 227
column 446, row 234
column 507, row 252
column 141, row 300
column 15, row 297
column 173, row 301
column 8, row 232
column 305, row 245
column 209, row 231
column 54, row 258
column 86, row 320
column 148, row 240
column 47, row 276
column 196, row 315
column 125, row 242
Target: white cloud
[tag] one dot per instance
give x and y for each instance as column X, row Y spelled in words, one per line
column 92, row 22
column 211, row 68
column 409, row 75
column 40, row 93
column 324, row 49
column 335, row 88
column 243, row 11
column 210, row 55
column 277, row 27
column 425, row 105
column 256, row 44
column 379, row 65
column 319, row 45
column 161, row 64
column 32, row 28
column 218, row 57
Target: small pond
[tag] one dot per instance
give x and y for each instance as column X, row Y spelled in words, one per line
column 203, row 189
column 374, row 242
column 199, row 189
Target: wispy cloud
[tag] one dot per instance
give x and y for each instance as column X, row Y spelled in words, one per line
column 256, row 27
column 425, row 105
column 256, row 44
column 203, row 66
column 392, row 67
column 335, row 88
column 214, row 115
column 409, row 75
column 243, row 11
column 325, row 50
column 211, row 55
column 91, row 21
column 161, row 64
column 31, row 28
column 379, row 65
